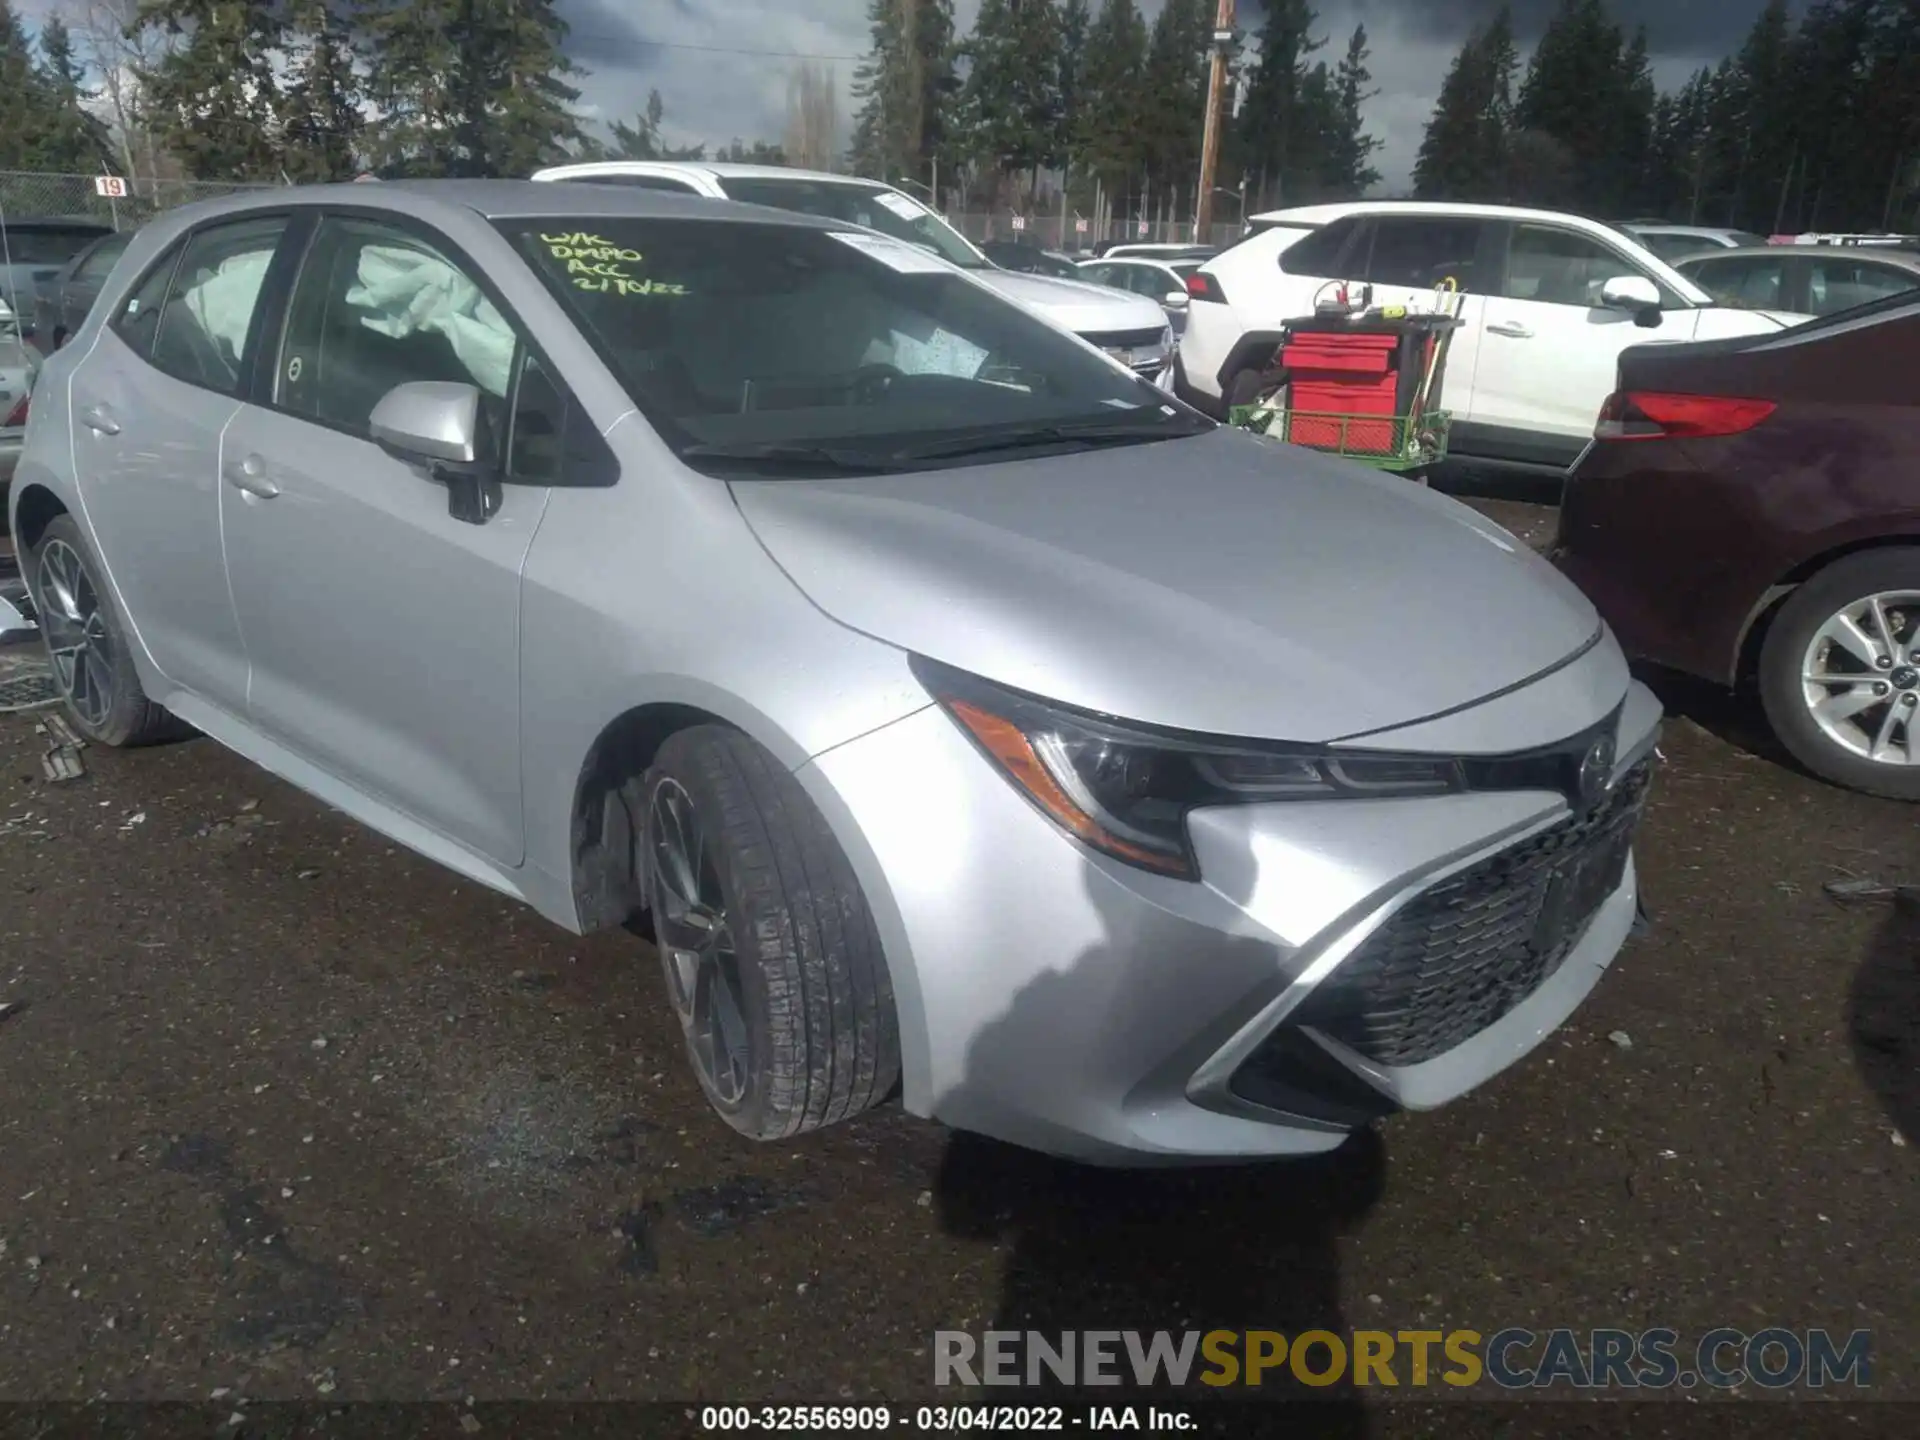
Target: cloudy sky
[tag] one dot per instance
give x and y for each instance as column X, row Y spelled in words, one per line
column 713, row 95
column 723, row 66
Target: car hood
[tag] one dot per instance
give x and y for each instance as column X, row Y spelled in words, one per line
column 1081, row 307
column 1223, row 583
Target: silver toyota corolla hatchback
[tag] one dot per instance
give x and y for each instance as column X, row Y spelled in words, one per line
column 961, row 713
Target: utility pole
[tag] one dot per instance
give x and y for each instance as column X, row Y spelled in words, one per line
column 1216, row 90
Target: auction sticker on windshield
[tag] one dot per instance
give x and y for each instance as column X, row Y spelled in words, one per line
column 895, row 254
column 900, row 205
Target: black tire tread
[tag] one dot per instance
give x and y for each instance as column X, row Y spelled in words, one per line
column 134, row 720
column 832, row 1041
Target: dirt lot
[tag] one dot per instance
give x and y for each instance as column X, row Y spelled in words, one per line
column 289, row 1113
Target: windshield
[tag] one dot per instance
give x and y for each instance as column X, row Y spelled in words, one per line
column 874, row 206
column 784, row 349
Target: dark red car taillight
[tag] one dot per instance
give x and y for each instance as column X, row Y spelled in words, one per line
column 1652, row 415
column 18, row 415
column 1205, row 287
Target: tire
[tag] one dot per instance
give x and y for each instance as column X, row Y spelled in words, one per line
column 1243, row 389
column 126, row 718
column 1841, row 585
column 821, row 1041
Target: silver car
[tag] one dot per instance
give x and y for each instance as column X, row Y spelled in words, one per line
column 961, row 713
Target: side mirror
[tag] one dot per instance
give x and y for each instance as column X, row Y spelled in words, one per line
column 1174, row 300
column 1635, row 294
column 436, row 424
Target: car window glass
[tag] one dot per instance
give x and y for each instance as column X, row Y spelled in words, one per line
column 202, row 335
column 1559, row 267
column 536, row 442
column 1153, row 282
column 375, row 307
column 1839, row 284
column 872, row 206
column 46, row 244
column 726, row 333
column 1320, row 252
column 1754, row 282
column 99, row 261
column 1673, row 247
column 139, row 313
column 1423, row 252
column 1098, row 274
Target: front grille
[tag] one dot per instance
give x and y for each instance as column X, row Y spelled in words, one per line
column 1463, row 954
column 1123, row 339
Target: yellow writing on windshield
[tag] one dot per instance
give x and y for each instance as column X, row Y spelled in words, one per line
column 596, row 264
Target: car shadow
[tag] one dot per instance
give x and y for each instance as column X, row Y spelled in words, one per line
column 1734, row 716
column 1235, row 1247
column 1883, row 1020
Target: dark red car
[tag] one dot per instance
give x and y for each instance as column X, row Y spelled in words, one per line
column 1749, row 512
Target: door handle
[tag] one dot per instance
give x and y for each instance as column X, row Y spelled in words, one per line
column 250, row 475
column 1510, row 330
column 100, row 419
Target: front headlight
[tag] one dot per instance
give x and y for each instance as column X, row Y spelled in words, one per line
column 1126, row 789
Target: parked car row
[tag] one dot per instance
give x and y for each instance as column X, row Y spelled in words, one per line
column 928, row 682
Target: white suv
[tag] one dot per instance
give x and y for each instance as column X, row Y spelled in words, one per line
column 1550, row 302
column 1133, row 330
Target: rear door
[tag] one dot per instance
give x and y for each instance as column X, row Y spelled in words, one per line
column 1842, row 281
column 149, row 403
column 1549, row 349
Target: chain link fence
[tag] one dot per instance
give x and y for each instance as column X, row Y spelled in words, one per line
column 28, row 194
column 1057, row 232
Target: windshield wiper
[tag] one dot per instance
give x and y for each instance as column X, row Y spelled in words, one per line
column 787, row 452
column 1104, row 432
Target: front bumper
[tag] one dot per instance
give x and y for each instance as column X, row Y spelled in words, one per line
column 1056, row 999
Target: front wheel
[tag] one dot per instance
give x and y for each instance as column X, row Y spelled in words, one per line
column 772, row 963
column 1840, row 673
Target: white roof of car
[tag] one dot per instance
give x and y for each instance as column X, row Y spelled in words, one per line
column 712, row 169
column 1313, row 215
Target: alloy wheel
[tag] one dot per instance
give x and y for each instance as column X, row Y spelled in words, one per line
column 696, row 944
column 1860, row 678
column 78, row 642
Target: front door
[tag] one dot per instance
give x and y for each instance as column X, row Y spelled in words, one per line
column 149, row 404
column 1549, row 351
column 384, row 634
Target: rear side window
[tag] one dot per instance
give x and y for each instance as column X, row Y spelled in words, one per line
column 1421, row 252
column 1320, row 253
column 1675, row 247
column 202, row 335
column 139, row 315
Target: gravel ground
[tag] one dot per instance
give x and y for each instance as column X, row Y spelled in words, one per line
column 290, row 1113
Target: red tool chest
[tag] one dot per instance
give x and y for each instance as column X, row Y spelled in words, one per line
column 1352, row 375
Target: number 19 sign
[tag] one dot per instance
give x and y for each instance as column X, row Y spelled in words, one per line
column 113, row 187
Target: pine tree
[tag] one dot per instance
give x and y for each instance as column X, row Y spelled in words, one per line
column 642, row 140
column 1350, row 149
column 1010, row 104
column 1109, row 133
column 904, row 89
column 1075, row 18
column 72, row 139
column 1466, row 152
column 1171, row 108
column 1278, row 134
column 213, row 98
column 471, row 87
column 1575, row 92
column 23, row 102
column 322, row 111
